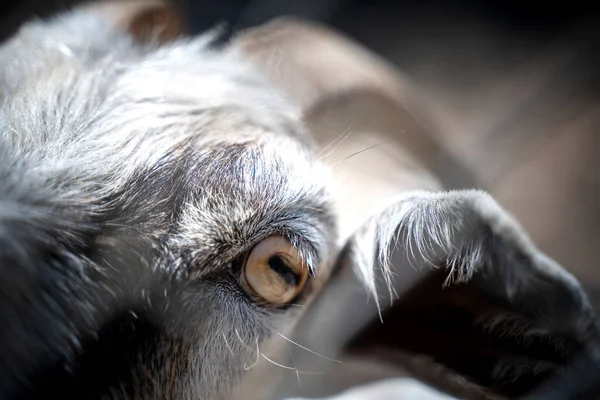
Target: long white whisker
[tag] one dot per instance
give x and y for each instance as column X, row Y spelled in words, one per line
column 227, row 344
column 246, row 368
column 337, row 144
column 332, row 142
column 295, row 366
column 279, row 365
column 358, row 152
column 257, row 358
column 241, row 341
column 307, row 349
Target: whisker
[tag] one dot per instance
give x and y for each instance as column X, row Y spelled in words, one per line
column 295, row 367
column 257, row 358
column 260, row 354
column 227, row 344
column 307, row 349
column 241, row 341
column 359, row 152
column 298, row 372
column 279, row 365
column 332, row 142
column 298, row 376
column 246, row 368
column 344, row 135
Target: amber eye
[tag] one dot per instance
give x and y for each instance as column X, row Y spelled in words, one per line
column 274, row 271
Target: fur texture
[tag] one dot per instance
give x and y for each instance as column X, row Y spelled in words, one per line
column 133, row 179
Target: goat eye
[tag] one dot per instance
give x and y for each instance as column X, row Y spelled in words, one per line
column 274, row 271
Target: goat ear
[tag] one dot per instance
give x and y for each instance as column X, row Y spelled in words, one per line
column 82, row 34
column 494, row 309
column 468, row 305
column 161, row 24
column 154, row 21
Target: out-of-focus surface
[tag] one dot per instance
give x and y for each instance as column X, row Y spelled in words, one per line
column 523, row 102
column 520, row 100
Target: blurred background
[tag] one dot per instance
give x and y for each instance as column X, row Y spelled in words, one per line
column 518, row 82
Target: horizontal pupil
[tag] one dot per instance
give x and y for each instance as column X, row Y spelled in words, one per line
column 278, row 265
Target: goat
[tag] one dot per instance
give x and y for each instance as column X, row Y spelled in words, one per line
column 167, row 224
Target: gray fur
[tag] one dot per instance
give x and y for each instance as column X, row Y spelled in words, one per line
column 182, row 154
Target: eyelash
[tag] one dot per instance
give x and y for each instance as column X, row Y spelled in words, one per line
column 304, row 246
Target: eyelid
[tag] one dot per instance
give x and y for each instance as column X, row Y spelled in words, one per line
column 306, row 249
